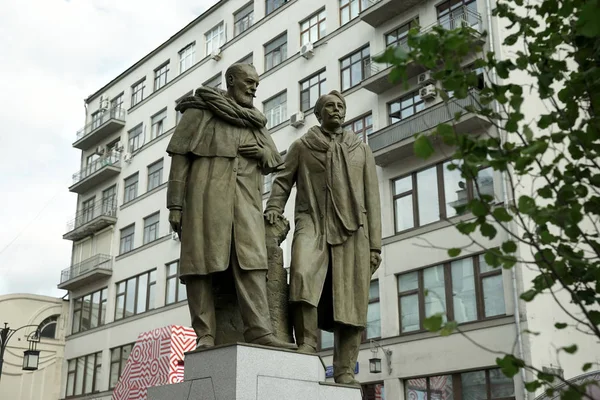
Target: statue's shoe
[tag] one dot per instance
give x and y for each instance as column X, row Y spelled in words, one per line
column 272, row 341
column 347, row 379
column 307, row 349
column 205, row 343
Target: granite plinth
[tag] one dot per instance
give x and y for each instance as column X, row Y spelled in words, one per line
column 250, row 372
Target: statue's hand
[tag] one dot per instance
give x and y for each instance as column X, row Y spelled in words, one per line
column 251, row 151
column 272, row 216
column 375, row 261
column 175, row 221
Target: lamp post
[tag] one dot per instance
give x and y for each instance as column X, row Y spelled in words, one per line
column 375, row 362
column 30, row 356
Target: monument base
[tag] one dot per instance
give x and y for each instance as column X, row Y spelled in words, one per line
column 249, row 372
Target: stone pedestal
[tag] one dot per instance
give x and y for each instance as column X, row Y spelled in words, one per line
column 249, row 372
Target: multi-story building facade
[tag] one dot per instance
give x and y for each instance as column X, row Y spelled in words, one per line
column 123, row 278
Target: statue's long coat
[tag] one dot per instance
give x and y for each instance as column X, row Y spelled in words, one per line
column 220, row 192
column 312, row 251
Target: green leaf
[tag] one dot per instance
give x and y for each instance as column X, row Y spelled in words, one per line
column 454, row 252
column 570, row 349
column 526, row 204
column 433, row 323
column 502, row 215
column 528, row 295
column 448, row 328
column 587, row 366
column 488, row 230
column 533, row 386
column 560, row 325
column 509, row 246
column 478, row 208
column 423, row 147
column 510, row 365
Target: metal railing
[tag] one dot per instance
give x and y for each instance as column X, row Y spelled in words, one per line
column 103, row 208
column 421, row 122
column 111, row 158
column 461, row 17
column 99, row 261
column 104, row 116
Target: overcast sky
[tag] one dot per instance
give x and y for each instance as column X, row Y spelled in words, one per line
column 54, row 53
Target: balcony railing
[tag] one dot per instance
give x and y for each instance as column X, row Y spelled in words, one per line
column 113, row 158
column 104, row 208
column 422, row 122
column 97, row 262
column 114, row 113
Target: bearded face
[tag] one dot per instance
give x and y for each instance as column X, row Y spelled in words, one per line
column 243, row 87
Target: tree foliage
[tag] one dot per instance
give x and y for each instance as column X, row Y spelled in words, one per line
column 543, row 102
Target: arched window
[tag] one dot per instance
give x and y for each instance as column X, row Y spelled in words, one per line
column 48, row 327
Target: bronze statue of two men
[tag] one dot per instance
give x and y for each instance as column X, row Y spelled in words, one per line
column 219, row 151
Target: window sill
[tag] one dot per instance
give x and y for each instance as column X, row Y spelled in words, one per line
column 420, row 230
column 279, row 126
column 143, row 247
column 142, row 197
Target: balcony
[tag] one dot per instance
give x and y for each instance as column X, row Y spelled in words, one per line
column 91, row 220
column 379, row 80
column 85, row 272
column 106, row 167
column 102, row 125
column 394, row 142
column 380, row 11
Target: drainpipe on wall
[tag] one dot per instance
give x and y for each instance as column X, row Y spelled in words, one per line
column 510, row 225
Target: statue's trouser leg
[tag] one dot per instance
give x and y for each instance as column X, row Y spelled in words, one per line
column 251, row 288
column 306, row 324
column 345, row 351
column 202, row 307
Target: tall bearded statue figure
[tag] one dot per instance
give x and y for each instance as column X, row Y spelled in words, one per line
column 337, row 239
column 219, row 150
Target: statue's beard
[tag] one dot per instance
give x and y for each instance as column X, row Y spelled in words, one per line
column 243, row 99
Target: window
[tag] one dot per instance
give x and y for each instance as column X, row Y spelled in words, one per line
column 375, row 391
column 362, row 126
column 249, row 59
column 326, row 340
column 160, row 76
column 158, row 124
column 135, row 295
column 399, row 36
column 127, row 236
column 373, row 313
column 214, row 82
column 349, row 9
column 275, row 52
column 454, row 14
column 272, row 5
column 267, row 183
column 135, row 138
column 151, row 228
column 83, row 374
column 47, row 327
column 355, row 68
column 483, row 384
column 313, row 28
column 117, row 102
column 89, row 311
column 187, row 57
column 311, row 89
column 179, row 113
column 87, row 210
column 137, row 92
column 243, row 19
column 96, row 120
column 215, row 38
column 131, row 188
column 276, row 110
column 118, row 360
column 436, row 193
column 405, row 107
column 155, row 172
column 109, row 200
column 465, row 290
column 175, row 289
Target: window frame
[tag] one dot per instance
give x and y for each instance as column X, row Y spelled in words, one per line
column 136, row 279
column 127, row 187
column 178, row 114
column 161, row 75
column 134, row 136
column 246, row 12
column 320, row 13
column 270, row 53
column 362, row 5
column 79, row 308
column 410, row 24
column 211, row 82
column 152, row 172
column 218, row 31
column 129, row 237
column 365, row 66
column 178, row 284
column 117, row 101
column 119, row 363
column 138, row 88
column 411, row 95
column 321, row 85
column 365, row 128
column 97, row 368
column 364, row 338
column 282, row 105
column 157, row 126
column 151, row 230
column 448, row 292
column 185, row 54
column 275, row 4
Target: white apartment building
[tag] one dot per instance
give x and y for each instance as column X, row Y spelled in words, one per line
column 123, row 277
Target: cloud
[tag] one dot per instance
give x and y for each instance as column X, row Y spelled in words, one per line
column 55, row 54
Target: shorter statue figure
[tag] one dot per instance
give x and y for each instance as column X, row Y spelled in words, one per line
column 219, row 150
column 337, row 238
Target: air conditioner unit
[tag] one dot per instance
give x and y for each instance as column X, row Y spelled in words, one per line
column 425, row 78
column 100, row 150
column 174, row 236
column 104, row 102
column 127, row 157
column 297, row 119
column 216, row 54
column 118, row 146
column 428, row 92
column 307, row 51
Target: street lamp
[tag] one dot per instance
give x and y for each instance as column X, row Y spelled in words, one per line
column 375, row 362
column 31, row 357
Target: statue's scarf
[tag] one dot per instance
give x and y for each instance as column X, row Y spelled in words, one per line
column 225, row 108
column 346, row 218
